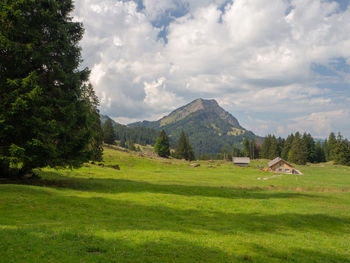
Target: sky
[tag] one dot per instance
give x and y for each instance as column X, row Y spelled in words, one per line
column 278, row 66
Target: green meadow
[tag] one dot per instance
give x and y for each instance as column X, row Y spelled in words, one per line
column 165, row 210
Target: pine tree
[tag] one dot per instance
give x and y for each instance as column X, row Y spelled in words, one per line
column 319, row 153
column 332, row 141
column 95, row 146
column 47, row 116
column 273, row 149
column 265, row 148
column 162, row 145
column 298, row 151
column 280, row 146
column 108, row 132
column 325, row 149
column 246, row 147
column 287, row 146
column 341, row 151
column 184, row 149
column 309, row 143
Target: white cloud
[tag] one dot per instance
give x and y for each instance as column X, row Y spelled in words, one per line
column 252, row 57
column 320, row 124
column 158, row 97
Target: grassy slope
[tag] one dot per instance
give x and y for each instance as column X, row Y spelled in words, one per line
column 167, row 211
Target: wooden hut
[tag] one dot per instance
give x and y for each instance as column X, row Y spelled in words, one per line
column 281, row 166
column 241, row 161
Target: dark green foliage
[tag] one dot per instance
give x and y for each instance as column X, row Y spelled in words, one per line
column 269, row 148
column 246, row 147
column 280, row 146
column 265, row 147
column 140, row 135
column 309, row 144
column 319, row 153
column 250, row 149
column 184, row 149
column 122, row 142
column 301, row 150
column 287, row 146
column 236, row 152
column 325, row 149
column 332, row 141
column 298, row 151
column 95, row 146
column 48, row 111
column 273, row 150
column 162, row 145
column 341, row 151
column 108, row 132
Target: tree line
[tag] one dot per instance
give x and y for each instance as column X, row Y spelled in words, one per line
column 183, row 149
column 300, row 149
column 161, row 145
column 296, row 148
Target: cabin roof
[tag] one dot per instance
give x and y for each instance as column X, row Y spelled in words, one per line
column 241, row 160
column 277, row 160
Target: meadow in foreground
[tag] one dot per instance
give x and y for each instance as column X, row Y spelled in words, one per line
column 164, row 210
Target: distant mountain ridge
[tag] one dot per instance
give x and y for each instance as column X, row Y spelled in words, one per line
column 208, row 126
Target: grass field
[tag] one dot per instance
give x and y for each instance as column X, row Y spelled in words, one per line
column 158, row 210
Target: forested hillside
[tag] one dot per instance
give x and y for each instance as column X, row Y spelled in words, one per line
column 139, row 135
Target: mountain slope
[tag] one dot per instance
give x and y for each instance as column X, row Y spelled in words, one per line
column 208, row 126
column 140, row 135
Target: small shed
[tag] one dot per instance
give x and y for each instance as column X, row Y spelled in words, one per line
column 241, row 161
column 282, row 166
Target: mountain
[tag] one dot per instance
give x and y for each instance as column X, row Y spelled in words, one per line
column 208, row 126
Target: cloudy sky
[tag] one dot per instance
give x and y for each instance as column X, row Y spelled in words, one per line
column 278, row 66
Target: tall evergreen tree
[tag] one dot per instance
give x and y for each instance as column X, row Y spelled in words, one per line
column 309, row 143
column 108, row 132
column 280, row 146
column 341, row 151
column 332, row 141
column 273, row 150
column 45, row 116
column 287, row 146
column 298, row 151
column 246, row 147
column 319, row 153
column 265, row 147
column 184, row 149
column 95, row 146
column 325, row 149
column 162, row 145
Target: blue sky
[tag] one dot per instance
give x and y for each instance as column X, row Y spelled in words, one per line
column 279, row 66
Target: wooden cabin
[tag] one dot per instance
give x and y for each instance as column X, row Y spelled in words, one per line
column 281, row 166
column 241, row 161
